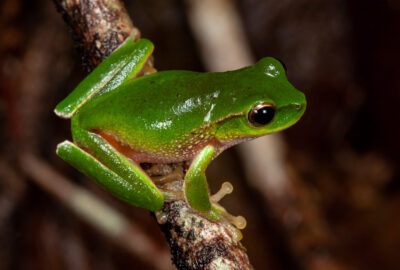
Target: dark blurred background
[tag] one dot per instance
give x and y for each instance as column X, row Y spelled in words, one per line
column 343, row 154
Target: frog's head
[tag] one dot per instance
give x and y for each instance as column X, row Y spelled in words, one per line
column 268, row 103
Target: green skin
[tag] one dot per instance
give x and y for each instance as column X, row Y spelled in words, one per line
column 169, row 116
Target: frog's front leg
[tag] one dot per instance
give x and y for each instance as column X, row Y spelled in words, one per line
column 195, row 185
column 111, row 169
column 196, row 190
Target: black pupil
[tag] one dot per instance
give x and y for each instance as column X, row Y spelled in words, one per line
column 263, row 115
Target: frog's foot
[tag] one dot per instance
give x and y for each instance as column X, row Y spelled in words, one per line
column 172, row 195
column 226, row 188
column 170, row 184
column 175, row 175
column 218, row 212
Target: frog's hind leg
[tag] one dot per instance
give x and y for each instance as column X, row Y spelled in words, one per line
column 122, row 65
column 91, row 167
column 112, row 170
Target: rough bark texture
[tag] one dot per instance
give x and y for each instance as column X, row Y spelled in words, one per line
column 198, row 243
column 99, row 27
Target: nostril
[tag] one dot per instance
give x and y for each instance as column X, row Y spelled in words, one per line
column 298, row 106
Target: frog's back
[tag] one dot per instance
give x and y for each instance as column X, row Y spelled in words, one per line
column 161, row 117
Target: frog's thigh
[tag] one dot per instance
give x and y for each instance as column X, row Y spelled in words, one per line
column 195, row 186
column 113, row 171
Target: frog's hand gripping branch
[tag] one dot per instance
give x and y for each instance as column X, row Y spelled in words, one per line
column 123, row 64
column 196, row 190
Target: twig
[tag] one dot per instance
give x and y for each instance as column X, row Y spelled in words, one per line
column 198, row 243
column 98, row 26
column 195, row 242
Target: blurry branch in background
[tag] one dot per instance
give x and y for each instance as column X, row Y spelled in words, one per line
column 95, row 212
column 12, row 182
column 217, row 27
column 99, row 27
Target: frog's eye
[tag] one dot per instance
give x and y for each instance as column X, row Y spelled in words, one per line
column 261, row 114
column 283, row 64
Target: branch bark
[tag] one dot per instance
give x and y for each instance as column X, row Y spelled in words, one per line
column 99, row 27
column 198, row 243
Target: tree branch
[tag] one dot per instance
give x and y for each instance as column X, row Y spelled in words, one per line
column 99, row 27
